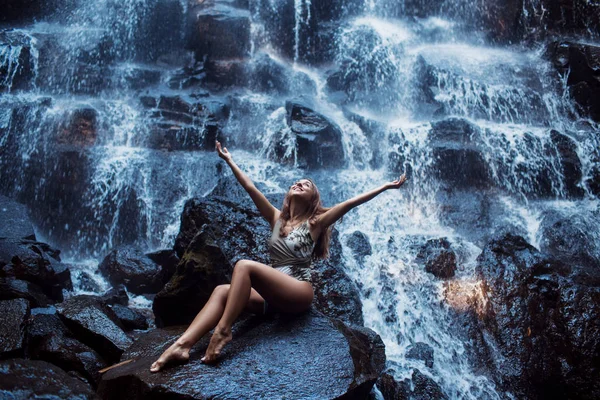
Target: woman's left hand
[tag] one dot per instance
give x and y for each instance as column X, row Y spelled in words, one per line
column 398, row 182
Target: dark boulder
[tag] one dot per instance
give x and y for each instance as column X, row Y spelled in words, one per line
column 301, row 356
column 569, row 162
column 203, row 267
column 79, row 127
column 13, row 314
column 543, row 317
column 219, row 30
column 359, row 244
column 96, row 325
column 17, row 289
column 129, row 266
column 49, row 339
column 116, row 295
column 421, row 351
column 18, row 67
column 168, row 260
column 438, row 257
column 418, row 387
column 33, row 379
column 457, row 159
column 318, row 140
column 14, row 220
column 130, row 319
column 235, row 231
column 571, row 237
column 581, row 63
column 35, row 262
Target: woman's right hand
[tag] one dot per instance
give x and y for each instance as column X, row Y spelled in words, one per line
column 223, row 153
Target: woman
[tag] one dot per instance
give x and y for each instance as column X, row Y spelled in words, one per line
column 301, row 232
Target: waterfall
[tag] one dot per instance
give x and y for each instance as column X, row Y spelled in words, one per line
column 114, row 103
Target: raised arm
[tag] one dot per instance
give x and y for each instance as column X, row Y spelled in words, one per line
column 334, row 213
column 266, row 209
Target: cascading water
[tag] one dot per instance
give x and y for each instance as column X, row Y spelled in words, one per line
column 393, row 81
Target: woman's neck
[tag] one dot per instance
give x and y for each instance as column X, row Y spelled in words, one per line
column 297, row 210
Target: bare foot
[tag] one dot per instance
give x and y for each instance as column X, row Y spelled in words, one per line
column 218, row 340
column 173, row 355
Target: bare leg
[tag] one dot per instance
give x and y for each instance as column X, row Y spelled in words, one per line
column 274, row 286
column 206, row 319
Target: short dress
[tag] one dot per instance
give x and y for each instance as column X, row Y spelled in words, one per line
column 292, row 254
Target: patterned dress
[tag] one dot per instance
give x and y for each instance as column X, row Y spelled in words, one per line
column 292, row 254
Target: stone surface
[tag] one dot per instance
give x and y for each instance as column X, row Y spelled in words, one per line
column 543, row 317
column 96, row 325
column 420, row 387
column 130, row 319
column 79, row 128
column 301, row 356
column 13, row 314
column 438, row 257
column 14, row 220
column 15, row 288
column 318, row 139
column 421, row 351
column 35, row 262
column 359, row 243
column 131, row 267
column 50, row 340
column 33, row 379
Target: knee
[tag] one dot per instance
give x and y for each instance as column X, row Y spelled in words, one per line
column 221, row 290
column 242, row 266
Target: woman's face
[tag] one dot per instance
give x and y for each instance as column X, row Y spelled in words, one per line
column 302, row 188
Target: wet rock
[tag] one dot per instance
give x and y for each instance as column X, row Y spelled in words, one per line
column 267, row 358
column 219, row 30
column 35, row 262
column 458, row 161
column 570, row 163
column 79, row 128
column 116, row 295
column 438, row 257
column 273, row 77
column 582, row 64
column 335, row 294
column 420, row 387
column 359, row 244
column 129, row 266
column 318, row 140
column 49, row 339
column 17, row 65
column 96, row 325
column 168, row 260
column 18, row 289
column 14, row 220
column 421, row 351
column 130, row 319
column 33, row 379
column 571, row 237
column 178, row 123
column 239, row 232
column 203, row 267
column 13, row 314
column 541, row 315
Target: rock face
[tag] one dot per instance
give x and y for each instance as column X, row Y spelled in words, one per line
column 33, row 379
column 18, row 289
column 50, row 340
column 438, row 257
column 421, row 387
column 582, row 64
column 129, row 266
column 543, row 316
column 96, row 325
column 216, row 233
column 35, row 262
column 318, row 140
column 302, row 356
column 14, row 314
column 14, row 220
